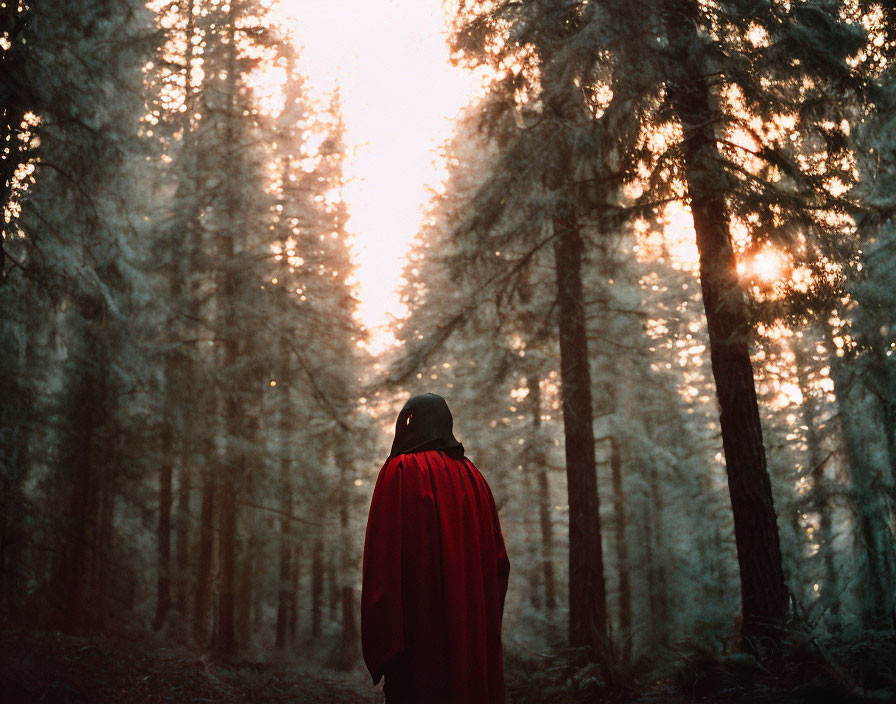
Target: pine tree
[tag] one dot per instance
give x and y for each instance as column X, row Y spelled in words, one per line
column 747, row 129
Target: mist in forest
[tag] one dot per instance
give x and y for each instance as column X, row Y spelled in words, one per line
column 654, row 276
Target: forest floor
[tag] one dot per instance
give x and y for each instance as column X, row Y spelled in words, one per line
column 52, row 668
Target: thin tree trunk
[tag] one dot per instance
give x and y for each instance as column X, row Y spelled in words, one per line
column 174, row 360
column 246, row 587
column 625, row 584
column 225, row 641
column 284, row 596
column 233, row 468
column 873, row 536
column 820, row 492
column 284, row 593
column 764, row 595
column 182, row 543
column 882, row 376
column 78, row 539
column 317, row 587
column 104, row 543
column 348, row 654
column 187, row 285
column 587, row 591
column 163, row 532
column 547, row 539
column 14, row 537
column 533, row 569
column 293, row 625
column 332, row 583
column 544, row 501
column 656, row 572
column 530, row 458
column 206, row 554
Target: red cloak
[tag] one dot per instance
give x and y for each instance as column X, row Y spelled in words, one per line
column 435, row 577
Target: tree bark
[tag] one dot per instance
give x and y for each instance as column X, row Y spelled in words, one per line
column 206, row 554
column 820, row 493
column 317, row 587
column 547, row 539
column 764, row 595
column 285, row 593
column 625, row 583
column 225, row 641
column 232, row 469
column 333, row 583
column 348, row 654
column 292, row 629
column 544, row 501
column 163, row 533
column 656, row 572
column 182, row 541
column 75, row 565
column 587, row 591
column 246, row 587
column 873, row 536
column 175, row 362
column 285, row 586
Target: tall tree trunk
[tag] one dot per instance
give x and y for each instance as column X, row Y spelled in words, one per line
column 182, row 540
column 292, row 627
column 14, row 529
column 529, row 460
column 233, row 467
column 104, row 541
column 258, row 593
column 533, row 569
column 175, row 363
column 544, row 500
column 225, row 641
column 587, row 591
column 206, row 556
column 348, row 653
column 764, row 595
column 317, row 587
column 820, row 491
column 656, row 571
column 163, row 531
column 78, row 540
column 246, row 587
column 881, row 377
column 332, row 583
column 547, row 539
column 625, row 583
column 285, row 584
column 873, row 536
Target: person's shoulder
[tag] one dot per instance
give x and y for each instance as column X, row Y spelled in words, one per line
column 479, row 477
column 391, row 468
column 392, row 463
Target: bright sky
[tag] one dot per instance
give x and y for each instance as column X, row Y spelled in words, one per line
column 399, row 96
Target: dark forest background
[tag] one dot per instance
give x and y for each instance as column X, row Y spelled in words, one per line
column 656, row 289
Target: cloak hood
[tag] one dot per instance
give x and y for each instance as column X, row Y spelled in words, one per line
column 425, row 423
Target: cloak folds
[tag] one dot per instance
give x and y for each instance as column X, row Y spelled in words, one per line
column 435, row 577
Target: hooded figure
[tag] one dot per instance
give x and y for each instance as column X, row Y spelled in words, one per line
column 435, row 569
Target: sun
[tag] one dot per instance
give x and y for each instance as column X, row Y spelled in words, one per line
column 767, row 265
